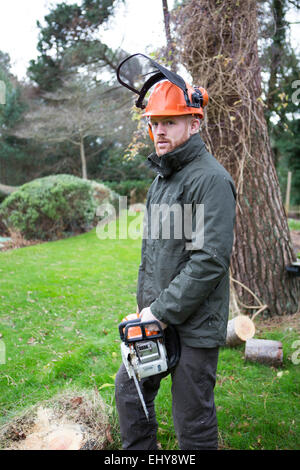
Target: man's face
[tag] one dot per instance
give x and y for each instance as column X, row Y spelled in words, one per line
column 171, row 131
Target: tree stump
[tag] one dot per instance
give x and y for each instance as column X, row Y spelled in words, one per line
column 264, row 351
column 239, row 329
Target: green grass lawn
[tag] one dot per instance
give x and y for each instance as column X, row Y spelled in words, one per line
column 60, row 305
column 294, row 224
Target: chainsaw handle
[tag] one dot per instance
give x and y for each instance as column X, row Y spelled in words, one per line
column 126, row 325
column 123, row 324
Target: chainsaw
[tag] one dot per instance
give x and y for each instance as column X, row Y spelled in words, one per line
column 143, row 351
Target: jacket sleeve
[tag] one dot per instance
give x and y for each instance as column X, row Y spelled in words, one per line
column 208, row 264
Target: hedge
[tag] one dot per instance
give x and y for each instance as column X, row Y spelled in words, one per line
column 54, row 207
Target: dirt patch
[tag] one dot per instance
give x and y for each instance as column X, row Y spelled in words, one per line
column 284, row 321
column 17, row 241
column 72, row 420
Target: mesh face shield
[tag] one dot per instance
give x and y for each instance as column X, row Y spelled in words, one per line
column 157, row 73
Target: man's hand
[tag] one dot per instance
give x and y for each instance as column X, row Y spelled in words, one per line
column 147, row 315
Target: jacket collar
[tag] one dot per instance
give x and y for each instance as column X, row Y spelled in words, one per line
column 175, row 160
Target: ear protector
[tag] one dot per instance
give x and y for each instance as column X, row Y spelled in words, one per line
column 150, row 132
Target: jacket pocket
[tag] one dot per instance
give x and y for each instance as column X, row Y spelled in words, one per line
column 200, row 321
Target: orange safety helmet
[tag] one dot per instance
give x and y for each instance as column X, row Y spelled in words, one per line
column 172, row 96
column 167, row 99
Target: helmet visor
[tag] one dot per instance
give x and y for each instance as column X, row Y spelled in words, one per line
column 145, row 73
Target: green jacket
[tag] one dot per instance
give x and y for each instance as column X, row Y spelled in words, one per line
column 187, row 285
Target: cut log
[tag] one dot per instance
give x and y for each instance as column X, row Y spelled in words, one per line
column 239, row 329
column 264, row 351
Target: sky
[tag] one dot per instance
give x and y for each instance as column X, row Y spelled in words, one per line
column 136, row 27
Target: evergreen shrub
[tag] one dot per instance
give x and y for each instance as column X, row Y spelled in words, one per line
column 55, row 206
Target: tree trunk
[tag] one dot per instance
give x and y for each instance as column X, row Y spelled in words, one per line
column 219, row 41
column 83, row 159
column 278, row 42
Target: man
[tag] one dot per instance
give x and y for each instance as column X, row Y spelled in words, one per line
column 183, row 281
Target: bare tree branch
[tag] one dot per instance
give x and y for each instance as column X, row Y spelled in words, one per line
column 295, row 3
column 170, row 44
column 73, row 113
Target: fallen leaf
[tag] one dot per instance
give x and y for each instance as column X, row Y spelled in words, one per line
column 106, row 385
column 76, row 402
column 108, row 434
column 17, row 436
column 31, row 341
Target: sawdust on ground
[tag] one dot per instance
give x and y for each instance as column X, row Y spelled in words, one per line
column 72, row 420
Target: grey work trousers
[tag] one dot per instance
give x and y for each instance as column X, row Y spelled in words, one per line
column 193, row 406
